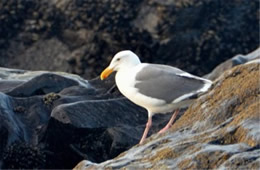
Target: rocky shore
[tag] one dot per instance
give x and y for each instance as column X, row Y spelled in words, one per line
column 60, row 115
column 56, row 119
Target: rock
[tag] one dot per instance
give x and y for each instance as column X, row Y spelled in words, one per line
column 30, row 156
column 50, row 54
column 53, row 120
column 82, row 36
column 236, row 60
column 220, row 130
column 42, row 84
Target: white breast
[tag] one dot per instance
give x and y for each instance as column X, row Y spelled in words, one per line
column 125, row 80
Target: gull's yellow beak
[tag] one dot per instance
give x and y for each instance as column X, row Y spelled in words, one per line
column 106, row 73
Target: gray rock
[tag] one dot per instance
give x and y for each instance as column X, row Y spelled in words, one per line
column 42, row 84
column 236, row 60
column 54, row 120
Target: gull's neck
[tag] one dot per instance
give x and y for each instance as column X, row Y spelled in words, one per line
column 128, row 67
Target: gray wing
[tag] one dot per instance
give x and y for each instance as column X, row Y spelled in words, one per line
column 165, row 83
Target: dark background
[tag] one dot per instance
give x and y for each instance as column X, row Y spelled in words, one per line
column 81, row 36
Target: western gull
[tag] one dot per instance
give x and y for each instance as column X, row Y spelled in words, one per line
column 157, row 88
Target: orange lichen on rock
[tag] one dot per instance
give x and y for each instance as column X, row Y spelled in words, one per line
column 231, row 95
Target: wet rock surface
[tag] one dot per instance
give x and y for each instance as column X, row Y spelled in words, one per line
column 82, row 36
column 55, row 120
column 31, row 131
column 220, row 130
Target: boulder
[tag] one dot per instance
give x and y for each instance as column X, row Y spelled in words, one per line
column 53, row 120
column 220, row 130
column 234, row 61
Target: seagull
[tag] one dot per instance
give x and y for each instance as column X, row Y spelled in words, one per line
column 155, row 87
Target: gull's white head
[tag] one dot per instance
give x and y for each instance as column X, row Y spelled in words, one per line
column 122, row 60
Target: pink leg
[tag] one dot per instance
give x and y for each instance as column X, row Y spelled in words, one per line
column 148, row 125
column 169, row 124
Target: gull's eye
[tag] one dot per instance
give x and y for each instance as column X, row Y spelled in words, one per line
column 118, row 59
